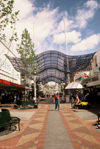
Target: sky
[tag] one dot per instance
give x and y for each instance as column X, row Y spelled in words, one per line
column 68, row 26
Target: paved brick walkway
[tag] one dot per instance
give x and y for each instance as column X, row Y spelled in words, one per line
column 32, row 134
column 81, row 132
column 56, row 136
column 33, row 131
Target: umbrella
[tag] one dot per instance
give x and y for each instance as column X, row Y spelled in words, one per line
column 74, row 85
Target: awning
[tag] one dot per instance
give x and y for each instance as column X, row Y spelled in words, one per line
column 93, row 83
column 74, row 85
column 10, row 84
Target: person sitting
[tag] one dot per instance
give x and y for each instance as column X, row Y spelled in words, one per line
column 77, row 100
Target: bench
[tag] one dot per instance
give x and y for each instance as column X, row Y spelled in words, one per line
column 7, row 121
column 83, row 104
column 80, row 105
column 27, row 103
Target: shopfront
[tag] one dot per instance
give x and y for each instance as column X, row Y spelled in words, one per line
column 10, row 81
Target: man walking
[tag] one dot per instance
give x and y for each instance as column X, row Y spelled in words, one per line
column 57, row 101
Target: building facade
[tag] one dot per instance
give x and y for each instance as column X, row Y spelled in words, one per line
column 9, row 77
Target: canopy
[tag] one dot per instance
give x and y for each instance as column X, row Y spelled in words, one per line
column 53, row 65
column 74, row 85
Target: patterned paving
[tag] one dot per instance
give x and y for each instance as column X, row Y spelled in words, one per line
column 33, row 131
column 32, row 135
column 82, row 135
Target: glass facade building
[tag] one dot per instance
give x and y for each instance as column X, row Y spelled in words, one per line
column 53, row 65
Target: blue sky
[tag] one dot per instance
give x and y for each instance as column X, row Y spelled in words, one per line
column 51, row 22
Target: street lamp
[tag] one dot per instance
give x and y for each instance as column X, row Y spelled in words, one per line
column 34, row 77
column 68, row 72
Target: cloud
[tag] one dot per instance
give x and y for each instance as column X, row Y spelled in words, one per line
column 64, row 25
column 25, row 16
column 92, row 4
column 46, row 25
column 40, row 23
column 86, row 13
column 25, row 7
column 43, row 27
column 87, row 44
column 71, row 37
column 83, row 15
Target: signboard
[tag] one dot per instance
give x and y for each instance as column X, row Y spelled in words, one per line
column 96, row 70
column 7, row 71
column 84, row 74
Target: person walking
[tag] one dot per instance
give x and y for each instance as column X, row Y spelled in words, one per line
column 57, row 101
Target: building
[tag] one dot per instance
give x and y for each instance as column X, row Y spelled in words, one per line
column 91, row 75
column 10, row 79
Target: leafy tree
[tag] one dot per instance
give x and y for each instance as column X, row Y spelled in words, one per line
column 27, row 54
column 7, row 17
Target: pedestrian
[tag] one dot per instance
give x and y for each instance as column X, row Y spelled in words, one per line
column 77, row 98
column 57, row 101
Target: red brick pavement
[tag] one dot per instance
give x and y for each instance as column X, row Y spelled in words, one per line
column 81, row 132
column 33, row 131
column 32, row 134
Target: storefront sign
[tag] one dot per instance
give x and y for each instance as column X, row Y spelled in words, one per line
column 96, row 70
column 7, row 71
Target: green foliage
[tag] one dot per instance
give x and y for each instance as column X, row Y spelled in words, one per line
column 7, row 17
column 26, row 51
column 26, row 46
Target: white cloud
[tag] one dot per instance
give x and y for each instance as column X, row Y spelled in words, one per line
column 86, row 13
column 44, row 24
column 64, row 25
column 71, row 37
column 25, row 7
column 82, row 17
column 87, row 44
column 25, row 16
column 40, row 25
column 93, row 4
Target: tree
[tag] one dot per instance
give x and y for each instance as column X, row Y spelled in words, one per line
column 7, row 17
column 27, row 54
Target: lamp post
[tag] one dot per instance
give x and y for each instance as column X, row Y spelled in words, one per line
column 68, row 72
column 35, row 88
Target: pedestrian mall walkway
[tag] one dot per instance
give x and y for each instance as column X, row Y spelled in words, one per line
column 47, row 128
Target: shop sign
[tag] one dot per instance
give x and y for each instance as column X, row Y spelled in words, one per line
column 7, row 71
column 4, row 65
column 96, row 70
